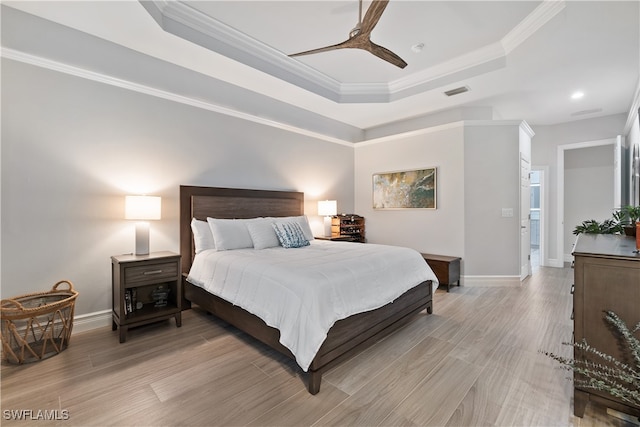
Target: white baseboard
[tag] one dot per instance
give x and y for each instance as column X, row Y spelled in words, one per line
column 555, row 263
column 490, row 281
column 87, row 322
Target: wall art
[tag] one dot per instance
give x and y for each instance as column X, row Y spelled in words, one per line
column 414, row 189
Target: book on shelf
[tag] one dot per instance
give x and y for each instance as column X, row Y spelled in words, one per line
column 130, row 300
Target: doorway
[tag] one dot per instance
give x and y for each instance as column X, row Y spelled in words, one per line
column 537, row 214
column 563, row 258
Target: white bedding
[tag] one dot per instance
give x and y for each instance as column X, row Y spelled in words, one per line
column 302, row 292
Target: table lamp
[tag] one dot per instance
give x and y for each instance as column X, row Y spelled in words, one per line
column 327, row 208
column 142, row 209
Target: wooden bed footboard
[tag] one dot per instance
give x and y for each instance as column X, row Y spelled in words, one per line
column 345, row 339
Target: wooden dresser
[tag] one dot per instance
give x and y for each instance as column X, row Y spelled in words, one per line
column 607, row 277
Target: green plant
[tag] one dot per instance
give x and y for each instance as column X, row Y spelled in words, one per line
column 615, row 377
column 608, row 226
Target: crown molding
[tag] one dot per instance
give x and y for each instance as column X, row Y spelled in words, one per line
column 532, row 23
column 182, row 20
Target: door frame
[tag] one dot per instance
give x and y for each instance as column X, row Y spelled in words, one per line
column 544, row 203
column 560, row 260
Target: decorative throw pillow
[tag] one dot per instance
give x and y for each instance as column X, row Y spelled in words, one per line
column 230, row 233
column 303, row 222
column 262, row 233
column 290, row 234
column 202, row 237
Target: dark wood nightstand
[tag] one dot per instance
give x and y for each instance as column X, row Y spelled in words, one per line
column 145, row 289
column 446, row 268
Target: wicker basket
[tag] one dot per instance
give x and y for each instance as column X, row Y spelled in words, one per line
column 37, row 325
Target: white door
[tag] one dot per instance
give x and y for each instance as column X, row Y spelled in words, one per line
column 525, row 218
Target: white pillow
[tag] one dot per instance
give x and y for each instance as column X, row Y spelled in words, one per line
column 202, row 237
column 303, row 222
column 262, row 233
column 230, row 233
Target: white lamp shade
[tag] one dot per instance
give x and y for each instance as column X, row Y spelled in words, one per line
column 327, row 207
column 142, row 207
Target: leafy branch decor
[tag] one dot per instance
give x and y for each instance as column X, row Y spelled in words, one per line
column 617, row 378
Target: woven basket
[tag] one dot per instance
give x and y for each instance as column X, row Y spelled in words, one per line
column 37, row 325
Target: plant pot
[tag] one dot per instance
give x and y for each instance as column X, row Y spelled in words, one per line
column 629, row 230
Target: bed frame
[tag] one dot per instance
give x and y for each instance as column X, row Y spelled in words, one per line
column 346, row 338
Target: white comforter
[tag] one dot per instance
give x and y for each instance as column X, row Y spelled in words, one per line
column 302, row 292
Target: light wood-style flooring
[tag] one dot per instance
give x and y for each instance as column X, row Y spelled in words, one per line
column 474, row 362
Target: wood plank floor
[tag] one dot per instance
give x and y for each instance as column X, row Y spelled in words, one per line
column 474, row 362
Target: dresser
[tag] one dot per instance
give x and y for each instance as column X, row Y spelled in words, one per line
column 606, row 278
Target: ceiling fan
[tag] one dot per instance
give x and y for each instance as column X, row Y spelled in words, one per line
column 360, row 36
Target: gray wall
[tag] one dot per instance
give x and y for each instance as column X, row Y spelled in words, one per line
column 492, row 182
column 73, row 148
column 478, row 175
column 439, row 231
column 588, row 188
column 544, row 152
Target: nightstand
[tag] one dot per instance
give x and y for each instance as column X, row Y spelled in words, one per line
column 145, row 289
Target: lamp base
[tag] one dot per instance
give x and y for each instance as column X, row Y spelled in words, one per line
column 327, row 226
column 142, row 238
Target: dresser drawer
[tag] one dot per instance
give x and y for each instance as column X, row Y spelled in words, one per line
column 143, row 273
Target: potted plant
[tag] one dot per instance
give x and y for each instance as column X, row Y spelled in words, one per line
column 608, row 226
column 629, row 215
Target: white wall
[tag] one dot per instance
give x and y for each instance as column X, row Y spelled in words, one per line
column 73, row 148
column 588, row 188
column 438, row 231
column 478, row 175
column 544, row 150
column 492, row 182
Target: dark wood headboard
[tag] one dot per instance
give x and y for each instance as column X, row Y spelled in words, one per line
column 216, row 202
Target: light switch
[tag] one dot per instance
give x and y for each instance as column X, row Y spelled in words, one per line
column 507, row 212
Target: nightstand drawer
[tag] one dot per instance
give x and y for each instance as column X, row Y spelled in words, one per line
column 168, row 270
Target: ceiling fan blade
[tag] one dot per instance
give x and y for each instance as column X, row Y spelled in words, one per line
column 386, row 54
column 373, row 15
column 342, row 45
column 359, row 38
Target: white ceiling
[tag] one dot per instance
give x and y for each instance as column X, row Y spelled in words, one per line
column 521, row 58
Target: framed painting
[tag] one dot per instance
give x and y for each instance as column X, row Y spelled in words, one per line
column 414, row 189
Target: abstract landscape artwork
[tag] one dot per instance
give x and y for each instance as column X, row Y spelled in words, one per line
column 415, row 189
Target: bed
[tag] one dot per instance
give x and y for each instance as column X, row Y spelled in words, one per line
column 346, row 337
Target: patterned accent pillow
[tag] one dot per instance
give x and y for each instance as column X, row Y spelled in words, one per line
column 290, row 234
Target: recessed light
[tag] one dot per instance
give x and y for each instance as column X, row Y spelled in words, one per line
column 577, row 95
column 417, row 48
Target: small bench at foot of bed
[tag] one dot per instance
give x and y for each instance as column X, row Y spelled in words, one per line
column 446, row 268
